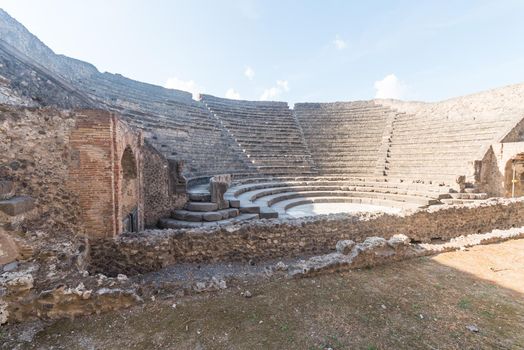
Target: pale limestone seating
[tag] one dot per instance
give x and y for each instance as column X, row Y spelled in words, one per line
column 343, row 138
column 174, row 224
column 191, row 133
column 261, row 194
column 264, row 131
column 271, row 200
column 438, row 148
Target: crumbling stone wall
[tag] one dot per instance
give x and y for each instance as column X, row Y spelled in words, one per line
column 35, row 154
column 494, row 176
column 151, row 250
column 70, row 163
column 160, row 196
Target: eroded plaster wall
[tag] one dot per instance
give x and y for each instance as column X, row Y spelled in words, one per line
column 160, row 193
column 493, row 176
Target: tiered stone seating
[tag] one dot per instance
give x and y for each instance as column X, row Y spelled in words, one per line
column 344, row 137
column 271, row 197
column 174, row 123
column 267, row 133
column 435, row 147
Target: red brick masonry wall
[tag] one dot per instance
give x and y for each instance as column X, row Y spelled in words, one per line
column 98, row 142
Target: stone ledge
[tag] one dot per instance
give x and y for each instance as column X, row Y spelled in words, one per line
column 17, row 205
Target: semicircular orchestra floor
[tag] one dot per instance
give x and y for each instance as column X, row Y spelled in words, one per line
column 312, row 209
column 296, row 197
column 292, row 197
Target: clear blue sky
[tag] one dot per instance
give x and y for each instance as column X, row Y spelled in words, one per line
column 296, row 50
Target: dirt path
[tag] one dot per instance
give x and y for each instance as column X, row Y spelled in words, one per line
column 424, row 303
column 502, row 264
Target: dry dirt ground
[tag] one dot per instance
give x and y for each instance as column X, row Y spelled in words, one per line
column 424, row 303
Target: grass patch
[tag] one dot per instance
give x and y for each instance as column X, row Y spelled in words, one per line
column 464, row 304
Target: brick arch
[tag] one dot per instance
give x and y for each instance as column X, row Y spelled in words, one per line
column 129, row 190
column 128, row 163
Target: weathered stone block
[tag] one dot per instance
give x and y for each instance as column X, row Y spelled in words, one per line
column 218, row 186
column 17, row 205
column 345, row 246
column 250, row 209
column 201, row 206
column 8, row 249
column 7, row 190
column 212, row 216
column 268, row 213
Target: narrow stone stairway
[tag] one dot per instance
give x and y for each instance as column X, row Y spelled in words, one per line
column 201, row 211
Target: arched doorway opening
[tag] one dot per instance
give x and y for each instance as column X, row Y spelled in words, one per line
column 514, row 176
column 129, row 191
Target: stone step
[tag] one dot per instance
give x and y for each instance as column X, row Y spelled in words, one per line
column 249, row 209
column 453, row 201
column 193, row 216
column 176, row 224
column 476, row 196
column 7, row 190
column 201, row 206
column 268, row 213
column 17, row 205
column 200, row 194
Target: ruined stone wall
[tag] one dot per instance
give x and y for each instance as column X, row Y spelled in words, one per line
column 151, row 250
column 493, row 175
column 160, row 198
column 35, row 154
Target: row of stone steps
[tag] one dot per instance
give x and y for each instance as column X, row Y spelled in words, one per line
column 175, row 224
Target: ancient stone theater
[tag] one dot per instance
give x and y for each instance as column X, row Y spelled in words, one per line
column 101, row 175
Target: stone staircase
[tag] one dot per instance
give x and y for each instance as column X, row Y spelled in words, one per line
column 387, row 138
column 439, row 147
column 470, row 194
column 207, row 207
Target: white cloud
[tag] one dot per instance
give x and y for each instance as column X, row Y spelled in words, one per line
column 339, row 43
column 232, row 94
column 249, row 73
column 283, row 84
column 185, row 85
column 274, row 91
column 390, row 87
